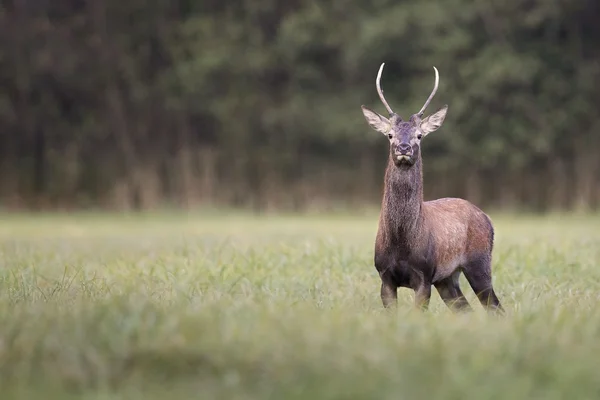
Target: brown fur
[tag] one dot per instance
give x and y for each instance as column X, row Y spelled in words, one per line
column 422, row 244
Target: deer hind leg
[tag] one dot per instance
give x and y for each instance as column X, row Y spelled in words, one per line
column 449, row 290
column 479, row 275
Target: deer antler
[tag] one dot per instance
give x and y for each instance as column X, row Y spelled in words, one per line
column 435, row 86
column 380, row 92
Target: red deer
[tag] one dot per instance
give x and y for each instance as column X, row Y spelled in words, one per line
column 424, row 243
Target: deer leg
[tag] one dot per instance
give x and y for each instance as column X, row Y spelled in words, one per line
column 420, row 282
column 449, row 290
column 422, row 296
column 389, row 294
column 479, row 275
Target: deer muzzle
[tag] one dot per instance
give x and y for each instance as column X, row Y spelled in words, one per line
column 403, row 150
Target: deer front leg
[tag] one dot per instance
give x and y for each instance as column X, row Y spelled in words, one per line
column 422, row 287
column 389, row 294
column 422, row 296
column 385, row 265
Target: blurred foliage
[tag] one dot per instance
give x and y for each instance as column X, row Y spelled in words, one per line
column 257, row 103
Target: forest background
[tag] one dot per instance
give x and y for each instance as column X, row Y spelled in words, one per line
column 142, row 104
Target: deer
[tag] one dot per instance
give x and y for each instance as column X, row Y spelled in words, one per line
column 420, row 244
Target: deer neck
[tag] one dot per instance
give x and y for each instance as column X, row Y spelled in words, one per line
column 403, row 199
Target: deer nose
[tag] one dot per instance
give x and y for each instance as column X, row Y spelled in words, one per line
column 404, row 148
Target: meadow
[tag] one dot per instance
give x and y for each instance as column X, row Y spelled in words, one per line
column 234, row 306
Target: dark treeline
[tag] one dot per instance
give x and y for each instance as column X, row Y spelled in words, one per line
column 256, row 103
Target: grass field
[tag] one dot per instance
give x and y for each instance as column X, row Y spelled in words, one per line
column 237, row 307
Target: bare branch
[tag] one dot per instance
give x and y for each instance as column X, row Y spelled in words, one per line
column 435, row 87
column 380, row 92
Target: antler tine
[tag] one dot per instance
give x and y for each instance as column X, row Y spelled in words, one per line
column 435, row 87
column 380, row 92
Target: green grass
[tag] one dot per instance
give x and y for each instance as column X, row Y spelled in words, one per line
column 170, row 306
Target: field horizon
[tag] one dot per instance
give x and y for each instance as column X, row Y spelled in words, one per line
column 233, row 305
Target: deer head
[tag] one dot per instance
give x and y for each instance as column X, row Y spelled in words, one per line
column 405, row 136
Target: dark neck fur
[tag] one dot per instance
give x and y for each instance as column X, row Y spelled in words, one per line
column 402, row 200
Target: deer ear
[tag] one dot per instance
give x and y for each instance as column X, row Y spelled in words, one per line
column 378, row 122
column 434, row 121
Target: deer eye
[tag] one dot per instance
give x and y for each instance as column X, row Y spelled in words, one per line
column 419, row 136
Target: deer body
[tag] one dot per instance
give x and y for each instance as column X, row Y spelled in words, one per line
column 420, row 243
